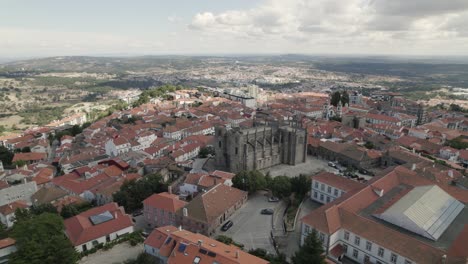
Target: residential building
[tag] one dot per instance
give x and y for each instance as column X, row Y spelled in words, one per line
column 98, row 225
column 209, row 210
column 327, row 187
column 22, row 191
column 7, row 212
column 398, row 217
column 117, row 146
column 7, row 246
column 172, row 245
column 160, row 209
column 30, row 157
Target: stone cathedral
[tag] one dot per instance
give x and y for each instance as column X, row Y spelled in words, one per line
column 259, row 147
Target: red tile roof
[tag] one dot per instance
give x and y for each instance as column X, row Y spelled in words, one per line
column 11, row 207
column 7, row 242
column 336, row 181
column 80, row 229
column 29, row 156
column 226, row 254
column 165, row 201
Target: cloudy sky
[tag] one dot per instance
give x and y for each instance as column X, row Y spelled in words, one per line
column 105, row 27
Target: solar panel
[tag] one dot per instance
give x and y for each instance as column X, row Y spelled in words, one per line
column 211, row 254
column 203, row 251
column 101, row 218
column 168, row 240
column 182, row 247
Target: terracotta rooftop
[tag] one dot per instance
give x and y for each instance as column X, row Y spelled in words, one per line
column 165, row 201
column 337, row 181
column 170, row 241
column 206, row 207
column 29, row 156
column 80, row 229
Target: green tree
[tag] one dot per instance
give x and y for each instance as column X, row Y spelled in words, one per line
column 369, row 145
column 273, row 259
column 336, row 97
column 19, row 163
column 6, row 156
column 281, row 186
column 3, row 231
column 26, row 149
column 224, row 239
column 300, row 185
column 344, row 98
column 40, row 239
column 68, row 211
column 204, row 152
column 143, row 258
column 250, row 181
column 132, row 193
column 310, row 252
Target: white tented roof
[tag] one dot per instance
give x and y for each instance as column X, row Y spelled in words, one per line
column 425, row 210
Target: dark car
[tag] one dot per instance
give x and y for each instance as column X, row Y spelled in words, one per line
column 137, row 213
column 267, row 211
column 273, row 199
column 227, row 225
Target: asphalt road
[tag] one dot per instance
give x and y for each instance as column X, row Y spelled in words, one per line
column 250, row 227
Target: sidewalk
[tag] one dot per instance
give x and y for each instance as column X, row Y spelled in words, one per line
column 291, row 243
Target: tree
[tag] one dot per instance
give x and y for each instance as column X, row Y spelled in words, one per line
column 68, row 211
column 19, row 163
column 132, row 193
column 26, row 149
column 369, row 145
column 273, row 259
column 6, row 156
column 281, row 186
column 250, row 181
column 344, row 98
column 224, row 239
column 300, row 185
column 40, row 239
column 204, row 152
column 336, row 97
column 310, row 252
column 3, row 231
column 144, row 258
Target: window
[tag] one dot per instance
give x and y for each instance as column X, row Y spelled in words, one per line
column 346, row 235
column 322, row 187
column 315, row 195
column 393, row 258
column 329, row 189
column 307, row 229
column 408, row 261
column 336, row 192
column 237, row 150
column 219, row 144
column 366, row 258
column 355, row 253
column 321, row 197
column 381, row 252
column 345, row 248
column 368, row 246
column 322, row 237
column 316, row 185
column 328, row 199
column 357, row 240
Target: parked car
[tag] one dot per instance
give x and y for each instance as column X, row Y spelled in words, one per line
column 331, row 164
column 267, row 211
column 273, row 199
column 227, row 225
column 363, row 171
column 145, row 234
column 137, row 213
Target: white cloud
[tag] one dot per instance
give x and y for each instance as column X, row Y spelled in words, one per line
column 345, row 24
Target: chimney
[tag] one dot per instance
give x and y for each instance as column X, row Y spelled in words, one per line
column 185, row 212
column 169, row 189
column 115, row 215
column 413, row 167
column 200, row 242
column 414, row 150
column 450, row 173
column 444, row 259
column 237, row 254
